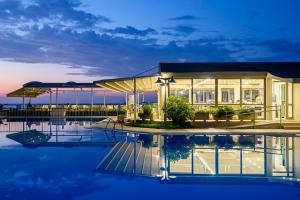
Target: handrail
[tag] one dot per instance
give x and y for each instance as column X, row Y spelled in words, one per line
column 227, row 116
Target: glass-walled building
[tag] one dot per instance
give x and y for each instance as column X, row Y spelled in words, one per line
column 204, row 93
column 269, row 88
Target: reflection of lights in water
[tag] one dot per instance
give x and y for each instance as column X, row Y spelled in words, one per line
column 259, row 167
column 204, row 163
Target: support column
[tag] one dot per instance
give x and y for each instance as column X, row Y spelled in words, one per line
column 216, row 92
column 92, row 101
column 50, row 99
column 104, row 98
column 268, row 98
column 23, row 99
column 56, row 97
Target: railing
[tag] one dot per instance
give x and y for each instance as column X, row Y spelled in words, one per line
column 255, row 113
column 244, row 115
column 47, row 113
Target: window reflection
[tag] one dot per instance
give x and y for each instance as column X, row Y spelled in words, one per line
column 204, row 91
column 253, row 91
column 182, row 88
column 229, row 91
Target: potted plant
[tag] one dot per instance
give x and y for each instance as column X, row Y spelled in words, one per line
column 121, row 115
column 246, row 113
column 147, row 112
column 202, row 115
column 222, row 113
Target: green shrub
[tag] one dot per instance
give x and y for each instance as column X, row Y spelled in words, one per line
column 246, row 111
column 199, row 112
column 147, row 111
column 179, row 110
column 222, row 111
column 121, row 112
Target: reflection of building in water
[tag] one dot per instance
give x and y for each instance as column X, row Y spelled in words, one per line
column 199, row 156
column 235, row 155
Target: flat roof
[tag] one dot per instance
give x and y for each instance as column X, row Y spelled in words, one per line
column 71, row 84
column 280, row 69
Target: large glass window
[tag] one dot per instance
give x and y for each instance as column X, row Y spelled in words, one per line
column 229, row 91
column 204, row 91
column 182, row 88
column 253, row 91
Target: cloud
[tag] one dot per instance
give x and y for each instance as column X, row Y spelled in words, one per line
column 57, row 31
column 130, row 30
column 62, row 12
column 184, row 18
column 182, row 29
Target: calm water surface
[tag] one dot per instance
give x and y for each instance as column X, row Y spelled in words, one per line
column 64, row 162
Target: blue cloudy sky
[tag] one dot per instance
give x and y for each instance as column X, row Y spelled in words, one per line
column 89, row 39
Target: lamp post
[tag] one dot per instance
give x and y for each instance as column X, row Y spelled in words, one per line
column 164, row 82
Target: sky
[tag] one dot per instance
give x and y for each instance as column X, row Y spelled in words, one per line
column 87, row 40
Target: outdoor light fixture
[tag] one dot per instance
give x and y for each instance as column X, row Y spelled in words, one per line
column 158, row 81
column 164, row 81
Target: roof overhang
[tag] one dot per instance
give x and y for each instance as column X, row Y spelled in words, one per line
column 35, row 88
column 27, row 92
column 143, row 84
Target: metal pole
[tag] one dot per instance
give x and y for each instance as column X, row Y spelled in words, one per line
column 143, row 97
column 134, row 95
column 50, row 99
column 56, row 97
column 126, row 105
column 92, row 100
column 104, row 99
column 23, row 100
column 165, row 106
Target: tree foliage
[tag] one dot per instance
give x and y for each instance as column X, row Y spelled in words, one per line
column 179, row 110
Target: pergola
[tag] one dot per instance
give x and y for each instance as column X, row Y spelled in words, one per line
column 134, row 84
column 34, row 89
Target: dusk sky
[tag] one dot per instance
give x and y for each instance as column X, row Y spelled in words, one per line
column 87, row 40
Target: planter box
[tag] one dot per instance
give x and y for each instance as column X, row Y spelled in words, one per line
column 250, row 116
column 222, row 118
column 202, row 116
column 121, row 118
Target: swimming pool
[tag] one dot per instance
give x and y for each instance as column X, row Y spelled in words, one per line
column 72, row 159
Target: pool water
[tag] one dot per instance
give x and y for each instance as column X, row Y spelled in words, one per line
column 52, row 169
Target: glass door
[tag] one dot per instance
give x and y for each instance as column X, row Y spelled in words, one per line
column 279, row 99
